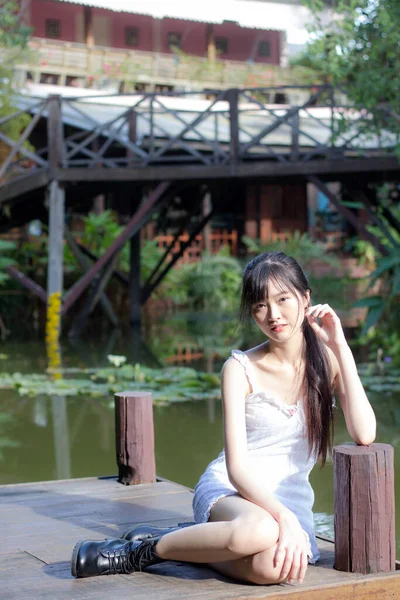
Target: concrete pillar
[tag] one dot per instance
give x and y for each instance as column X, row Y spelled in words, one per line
column 55, row 267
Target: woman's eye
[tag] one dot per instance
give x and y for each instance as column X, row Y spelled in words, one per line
column 283, row 299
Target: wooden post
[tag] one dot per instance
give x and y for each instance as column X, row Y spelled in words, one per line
column 211, row 47
column 364, row 508
column 295, row 125
column 233, row 98
column 134, row 437
column 88, row 26
column 99, row 204
column 207, row 207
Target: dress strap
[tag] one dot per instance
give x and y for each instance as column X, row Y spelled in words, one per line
column 244, row 360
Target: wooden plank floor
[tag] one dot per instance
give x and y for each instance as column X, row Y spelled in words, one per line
column 41, row 522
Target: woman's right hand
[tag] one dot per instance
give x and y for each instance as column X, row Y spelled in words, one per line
column 291, row 553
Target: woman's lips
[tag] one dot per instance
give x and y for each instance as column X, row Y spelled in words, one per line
column 278, row 328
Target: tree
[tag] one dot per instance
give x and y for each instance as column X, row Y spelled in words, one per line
column 14, row 37
column 360, row 50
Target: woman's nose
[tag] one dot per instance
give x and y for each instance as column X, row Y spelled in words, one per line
column 273, row 313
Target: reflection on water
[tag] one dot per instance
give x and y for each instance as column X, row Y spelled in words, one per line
column 62, row 449
column 57, row 438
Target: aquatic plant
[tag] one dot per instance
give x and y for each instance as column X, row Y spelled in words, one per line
column 171, row 384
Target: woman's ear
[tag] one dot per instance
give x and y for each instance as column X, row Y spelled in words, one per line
column 307, row 297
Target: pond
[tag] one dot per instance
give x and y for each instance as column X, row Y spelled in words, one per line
column 44, row 437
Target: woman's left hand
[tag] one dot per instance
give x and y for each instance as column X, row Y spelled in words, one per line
column 330, row 330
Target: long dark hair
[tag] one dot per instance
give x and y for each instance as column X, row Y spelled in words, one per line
column 285, row 272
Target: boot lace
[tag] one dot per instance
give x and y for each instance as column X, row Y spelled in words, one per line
column 120, row 562
column 144, row 555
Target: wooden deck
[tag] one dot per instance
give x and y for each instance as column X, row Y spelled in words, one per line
column 41, row 522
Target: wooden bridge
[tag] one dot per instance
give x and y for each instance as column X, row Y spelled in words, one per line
column 150, row 148
column 175, row 137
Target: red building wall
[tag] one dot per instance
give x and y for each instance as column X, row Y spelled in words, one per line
column 143, row 23
column 43, row 9
column 153, row 34
column 194, row 35
column 243, row 42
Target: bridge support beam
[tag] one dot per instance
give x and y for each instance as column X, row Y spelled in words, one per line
column 135, row 312
column 152, row 283
column 348, row 215
column 141, row 216
column 85, row 264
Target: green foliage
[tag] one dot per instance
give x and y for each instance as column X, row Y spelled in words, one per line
column 359, row 48
column 364, row 251
column 98, row 234
column 382, row 326
column 299, row 245
column 100, row 231
column 202, row 332
column 172, row 384
column 5, row 248
column 384, row 306
column 337, row 291
column 214, row 282
column 13, row 32
column 14, row 36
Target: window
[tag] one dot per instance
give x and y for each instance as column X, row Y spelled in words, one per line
column 221, row 45
column 131, row 36
column 53, row 28
column 174, row 40
column 264, row 49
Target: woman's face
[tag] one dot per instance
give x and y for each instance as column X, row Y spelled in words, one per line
column 281, row 314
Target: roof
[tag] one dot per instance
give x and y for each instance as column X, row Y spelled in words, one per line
column 271, row 15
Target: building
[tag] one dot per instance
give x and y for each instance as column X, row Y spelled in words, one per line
column 128, row 46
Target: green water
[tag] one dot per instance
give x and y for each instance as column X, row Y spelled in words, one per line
column 59, row 438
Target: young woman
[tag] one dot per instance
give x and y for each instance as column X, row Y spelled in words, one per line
column 253, row 504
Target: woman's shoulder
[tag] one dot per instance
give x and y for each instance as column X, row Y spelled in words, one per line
column 235, row 371
column 237, row 361
column 246, row 357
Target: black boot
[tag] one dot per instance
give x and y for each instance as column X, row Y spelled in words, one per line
column 110, row 557
column 144, row 532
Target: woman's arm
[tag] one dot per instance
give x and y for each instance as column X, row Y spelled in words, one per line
column 358, row 412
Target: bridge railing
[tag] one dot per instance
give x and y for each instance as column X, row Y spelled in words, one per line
column 230, row 127
column 59, row 61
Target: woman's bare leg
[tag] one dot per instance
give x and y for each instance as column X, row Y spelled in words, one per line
column 239, row 541
column 257, row 567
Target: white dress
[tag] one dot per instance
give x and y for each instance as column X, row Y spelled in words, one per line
column 278, row 450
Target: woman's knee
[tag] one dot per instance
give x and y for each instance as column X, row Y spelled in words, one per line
column 263, row 571
column 251, row 534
